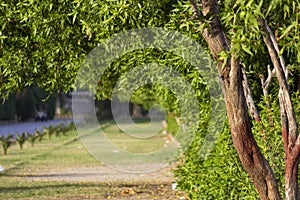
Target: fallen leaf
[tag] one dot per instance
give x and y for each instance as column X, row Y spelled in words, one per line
column 128, row 191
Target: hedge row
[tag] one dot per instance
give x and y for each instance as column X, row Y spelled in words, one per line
column 20, row 138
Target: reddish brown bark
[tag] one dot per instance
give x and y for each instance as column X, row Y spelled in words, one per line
column 291, row 179
column 249, row 153
column 255, row 164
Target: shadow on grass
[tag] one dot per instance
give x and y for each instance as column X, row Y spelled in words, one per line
column 50, row 175
column 51, row 186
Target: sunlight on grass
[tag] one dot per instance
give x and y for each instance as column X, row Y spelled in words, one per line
column 129, row 142
column 58, row 152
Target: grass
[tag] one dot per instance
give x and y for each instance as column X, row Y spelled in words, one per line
column 67, row 151
column 57, row 152
column 118, row 148
column 136, row 140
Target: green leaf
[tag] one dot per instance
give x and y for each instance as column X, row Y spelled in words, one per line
column 246, row 49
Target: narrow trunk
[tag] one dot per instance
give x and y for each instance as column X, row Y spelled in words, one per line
column 291, row 180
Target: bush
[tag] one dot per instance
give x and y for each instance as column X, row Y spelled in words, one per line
column 10, row 139
column 221, row 175
column 71, row 126
column 6, row 142
column 59, row 129
column 39, row 135
column 21, row 139
column 32, row 138
column 172, row 125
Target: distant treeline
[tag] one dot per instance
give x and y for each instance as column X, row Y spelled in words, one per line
column 23, row 105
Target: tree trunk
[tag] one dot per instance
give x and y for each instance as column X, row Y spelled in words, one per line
column 249, row 153
column 289, row 124
column 291, row 180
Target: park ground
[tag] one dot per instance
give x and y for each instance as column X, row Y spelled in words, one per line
column 61, row 168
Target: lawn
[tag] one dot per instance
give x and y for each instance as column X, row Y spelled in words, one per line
column 20, row 179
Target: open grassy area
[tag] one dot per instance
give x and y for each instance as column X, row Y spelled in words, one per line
column 20, row 179
column 57, row 152
column 134, row 140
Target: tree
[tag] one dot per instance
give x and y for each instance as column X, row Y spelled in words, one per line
column 230, row 69
column 8, row 109
column 25, row 105
column 47, row 41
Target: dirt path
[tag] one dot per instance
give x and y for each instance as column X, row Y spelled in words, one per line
column 102, row 174
column 122, row 185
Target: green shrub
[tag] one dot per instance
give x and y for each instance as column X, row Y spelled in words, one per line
column 49, row 130
column 172, row 125
column 71, row 126
column 221, row 175
column 21, row 139
column 67, row 127
column 32, row 138
column 59, row 129
column 6, row 142
column 39, row 135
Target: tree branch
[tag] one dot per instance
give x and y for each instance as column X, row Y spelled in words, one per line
column 195, row 8
column 266, row 84
column 281, row 74
column 249, row 97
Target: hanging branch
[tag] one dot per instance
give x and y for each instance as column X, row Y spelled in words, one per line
column 249, row 97
column 281, row 74
column 266, row 84
column 195, row 8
